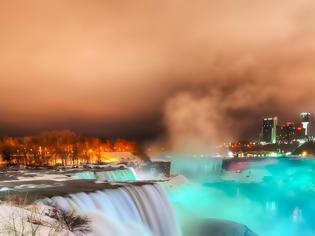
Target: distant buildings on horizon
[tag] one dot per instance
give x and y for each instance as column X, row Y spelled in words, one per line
column 273, row 132
column 278, row 139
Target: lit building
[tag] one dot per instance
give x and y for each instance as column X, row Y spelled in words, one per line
column 287, row 132
column 269, row 130
column 305, row 120
column 290, row 132
column 300, row 132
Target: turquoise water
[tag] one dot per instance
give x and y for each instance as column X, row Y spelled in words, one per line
column 119, row 175
column 200, row 170
column 87, row 175
column 274, row 197
column 116, row 175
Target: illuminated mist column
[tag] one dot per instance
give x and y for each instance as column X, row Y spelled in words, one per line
column 306, row 119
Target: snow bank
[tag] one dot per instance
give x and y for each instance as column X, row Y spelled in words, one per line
column 31, row 220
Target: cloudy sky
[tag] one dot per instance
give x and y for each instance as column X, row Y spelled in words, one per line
column 137, row 68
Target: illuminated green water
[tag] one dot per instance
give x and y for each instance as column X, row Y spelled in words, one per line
column 273, row 198
column 88, row 175
column 116, row 175
column 200, row 169
column 111, row 176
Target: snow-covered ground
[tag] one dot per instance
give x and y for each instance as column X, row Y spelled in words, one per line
column 21, row 220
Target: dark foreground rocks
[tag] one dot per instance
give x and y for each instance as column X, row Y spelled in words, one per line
column 214, row 227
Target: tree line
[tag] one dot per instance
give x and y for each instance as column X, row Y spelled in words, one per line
column 59, row 148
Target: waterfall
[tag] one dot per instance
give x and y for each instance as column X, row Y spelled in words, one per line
column 197, row 168
column 117, row 175
column 123, row 175
column 128, row 210
column 83, row 175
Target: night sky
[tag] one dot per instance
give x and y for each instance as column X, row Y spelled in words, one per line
column 141, row 69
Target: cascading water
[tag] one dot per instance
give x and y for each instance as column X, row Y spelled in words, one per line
column 83, row 175
column 117, row 175
column 123, row 175
column 129, row 210
column 197, row 168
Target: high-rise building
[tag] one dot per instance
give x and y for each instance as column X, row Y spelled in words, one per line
column 290, row 132
column 305, row 121
column 269, row 130
column 287, row 132
column 300, row 131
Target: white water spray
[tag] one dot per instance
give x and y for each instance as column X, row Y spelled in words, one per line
column 129, row 210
